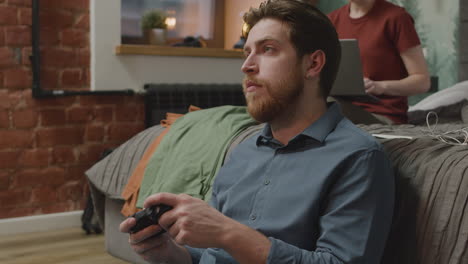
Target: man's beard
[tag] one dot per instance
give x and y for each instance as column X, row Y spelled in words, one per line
column 279, row 96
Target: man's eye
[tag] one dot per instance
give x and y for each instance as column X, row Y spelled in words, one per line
column 268, row 49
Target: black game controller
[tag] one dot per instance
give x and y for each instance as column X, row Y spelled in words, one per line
column 149, row 216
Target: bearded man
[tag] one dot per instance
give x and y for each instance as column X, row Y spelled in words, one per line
column 310, row 188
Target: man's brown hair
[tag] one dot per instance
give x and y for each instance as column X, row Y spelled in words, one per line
column 310, row 30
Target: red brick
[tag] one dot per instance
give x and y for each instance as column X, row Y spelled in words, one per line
column 4, row 180
column 64, row 155
column 15, row 139
column 56, row 19
column 57, row 57
column 26, row 53
column 80, row 114
column 18, row 36
column 71, row 191
column 7, row 57
column 49, row 4
column 17, row 78
column 77, row 173
column 44, row 177
column 84, row 58
column 9, row 159
column 72, row 78
column 49, row 78
column 17, row 99
column 26, row 118
column 25, row 16
column 5, row 102
column 75, row 5
column 51, row 137
column 48, row 102
column 43, row 195
column 83, row 22
column 2, row 37
column 18, row 51
column 87, row 77
column 30, row 101
column 53, row 117
column 136, row 99
column 127, row 112
column 20, row 2
column 13, row 198
column 34, row 158
column 104, row 114
column 75, row 38
column 92, row 153
column 95, row 133
column 8, row 15
column 122, row 132
column 4, row 119
column 49, row 37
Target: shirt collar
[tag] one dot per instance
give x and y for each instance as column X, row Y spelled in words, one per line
column 319, row 130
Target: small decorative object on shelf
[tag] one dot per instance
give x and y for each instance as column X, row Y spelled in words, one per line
column 153, row 24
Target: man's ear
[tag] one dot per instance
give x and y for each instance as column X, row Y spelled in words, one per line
column 314, row 63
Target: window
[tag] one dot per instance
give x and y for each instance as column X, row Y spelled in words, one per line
column 196, row 18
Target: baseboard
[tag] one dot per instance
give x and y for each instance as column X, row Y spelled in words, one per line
column 40, row 223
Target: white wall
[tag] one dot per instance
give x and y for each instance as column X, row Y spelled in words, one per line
column 118, row 72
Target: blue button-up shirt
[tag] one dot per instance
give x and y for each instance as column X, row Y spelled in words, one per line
column 325, row 197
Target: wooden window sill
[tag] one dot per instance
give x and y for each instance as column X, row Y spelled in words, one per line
column 176, row 51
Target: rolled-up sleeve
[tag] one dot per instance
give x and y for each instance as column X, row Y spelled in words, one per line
column 356, row 215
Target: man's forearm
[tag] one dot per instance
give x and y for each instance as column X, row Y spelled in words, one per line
column 246, row 245
column 175, row 254
column 183, row 256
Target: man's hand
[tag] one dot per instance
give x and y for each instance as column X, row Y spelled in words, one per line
column 154, row 249
column 192, row 221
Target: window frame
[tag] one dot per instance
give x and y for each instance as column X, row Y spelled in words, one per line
column 218, row 31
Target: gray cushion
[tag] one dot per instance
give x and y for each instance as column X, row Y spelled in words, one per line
column 448, row 104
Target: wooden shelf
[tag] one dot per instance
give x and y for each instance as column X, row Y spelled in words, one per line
column 176, row 51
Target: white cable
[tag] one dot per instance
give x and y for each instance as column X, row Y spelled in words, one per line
column 450, row 137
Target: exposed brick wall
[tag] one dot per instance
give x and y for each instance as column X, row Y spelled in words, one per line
column 47, row 144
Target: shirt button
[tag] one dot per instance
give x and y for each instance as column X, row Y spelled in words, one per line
column 266, row 182
column 253, row 217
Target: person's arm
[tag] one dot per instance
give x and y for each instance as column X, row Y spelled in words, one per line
column 192, row 222
column 155, row 249
column 418, row 80
column 354, row 224
column 356, row 216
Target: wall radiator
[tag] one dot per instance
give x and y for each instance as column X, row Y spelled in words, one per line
column 176, row 98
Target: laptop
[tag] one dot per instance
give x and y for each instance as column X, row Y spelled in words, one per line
column 349, row 83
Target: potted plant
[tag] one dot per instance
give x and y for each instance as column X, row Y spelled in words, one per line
column 153, row 24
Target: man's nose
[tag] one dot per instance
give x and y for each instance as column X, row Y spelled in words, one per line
column 250, row 65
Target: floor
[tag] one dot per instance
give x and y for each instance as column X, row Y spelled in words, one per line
column 67, row 246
